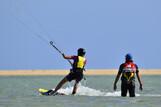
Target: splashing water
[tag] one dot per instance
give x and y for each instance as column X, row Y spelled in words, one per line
column 86, row 91
column 82, row 90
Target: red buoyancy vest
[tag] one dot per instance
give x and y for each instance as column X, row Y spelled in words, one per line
column 129, row 69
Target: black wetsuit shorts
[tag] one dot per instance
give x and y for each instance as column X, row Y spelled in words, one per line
column 128, row 87
column 75, row 75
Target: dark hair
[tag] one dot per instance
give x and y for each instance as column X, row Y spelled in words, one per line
column 81, row 52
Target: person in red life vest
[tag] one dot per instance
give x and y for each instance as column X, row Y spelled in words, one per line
column 76, row 73
column 128, row 71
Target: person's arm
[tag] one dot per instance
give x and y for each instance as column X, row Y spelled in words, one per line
column 117, row 78
column 84, row 65
column 67, row 57
column 139, row 79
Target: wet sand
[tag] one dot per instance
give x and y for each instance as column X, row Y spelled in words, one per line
column 64, row 72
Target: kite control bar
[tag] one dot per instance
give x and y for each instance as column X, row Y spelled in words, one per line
column 52, row 44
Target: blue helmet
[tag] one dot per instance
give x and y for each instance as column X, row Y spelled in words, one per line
column 128, row 56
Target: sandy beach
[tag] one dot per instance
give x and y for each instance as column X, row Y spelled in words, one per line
column 64, row 72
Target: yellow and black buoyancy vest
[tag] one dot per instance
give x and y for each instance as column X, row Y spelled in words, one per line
column 79, row 63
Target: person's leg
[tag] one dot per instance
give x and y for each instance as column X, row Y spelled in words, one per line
column 123, row 89
column 75, row 87
column 132, row 89
column 78, row 77
column 60, row 84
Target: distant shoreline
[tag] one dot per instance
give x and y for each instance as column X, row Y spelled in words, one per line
column 65, row 72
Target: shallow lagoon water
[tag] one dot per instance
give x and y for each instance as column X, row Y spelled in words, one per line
column 96, row 91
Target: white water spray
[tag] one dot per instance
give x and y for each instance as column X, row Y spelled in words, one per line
column 87, row 91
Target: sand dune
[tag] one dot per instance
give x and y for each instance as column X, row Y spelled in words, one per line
column 64, row 72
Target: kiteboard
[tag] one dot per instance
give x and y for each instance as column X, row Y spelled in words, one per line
column 43, row 91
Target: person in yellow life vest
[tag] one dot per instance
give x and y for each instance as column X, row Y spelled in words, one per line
column 128, row 71
column 76, row 73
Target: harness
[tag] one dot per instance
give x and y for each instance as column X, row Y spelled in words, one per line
column 129, row 70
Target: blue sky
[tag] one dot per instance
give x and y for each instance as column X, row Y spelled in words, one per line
column 107, row 29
